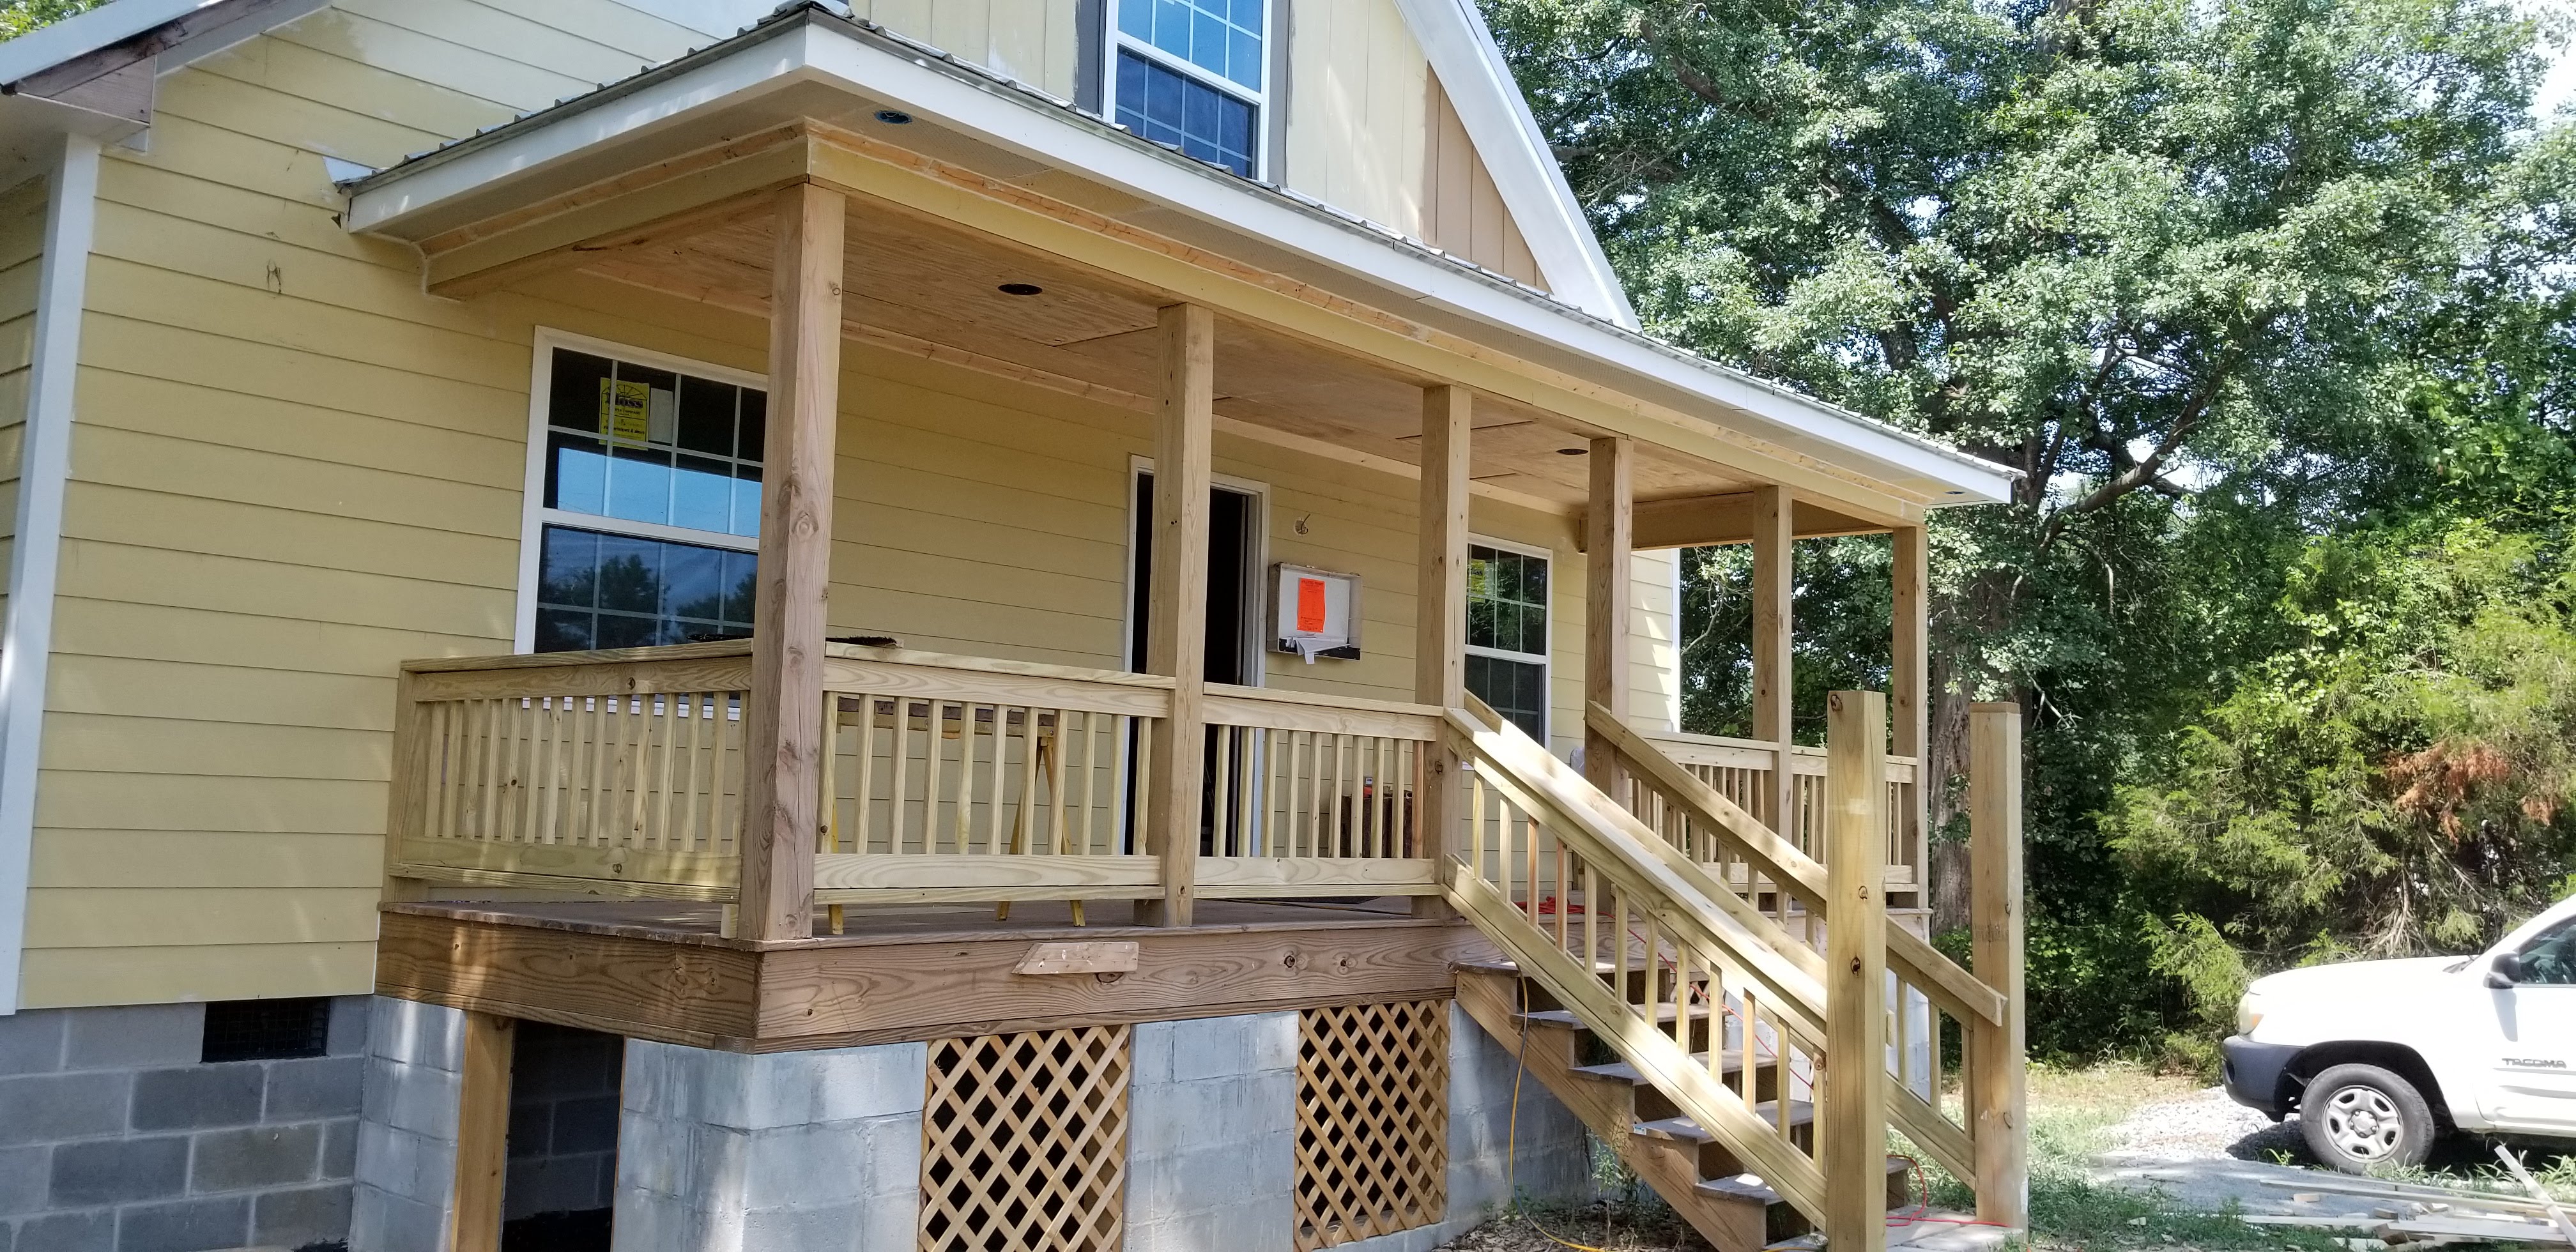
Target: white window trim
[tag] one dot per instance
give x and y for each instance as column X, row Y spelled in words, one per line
column 1118, row 40
column 535, row 517
column 1256, row 659
column 1545, row 661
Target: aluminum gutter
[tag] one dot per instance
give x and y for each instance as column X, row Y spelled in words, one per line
column 26, row 637
column 810, row 44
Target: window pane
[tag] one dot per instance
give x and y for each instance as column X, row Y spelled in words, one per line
column 639, row 484
column 1170, row 108
column 617, row 440
column 617, row 591
column 706, row 416
column 577, row 474
column 574, row 402
column 1515, row 689
column 1506, row 601
column 702, row 494
column 1220, row 36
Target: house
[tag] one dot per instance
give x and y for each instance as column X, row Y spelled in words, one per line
column 981, row 624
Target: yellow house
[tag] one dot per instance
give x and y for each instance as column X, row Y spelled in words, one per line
column 978, row 624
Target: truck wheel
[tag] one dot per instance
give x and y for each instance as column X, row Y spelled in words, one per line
column 2359, row 1116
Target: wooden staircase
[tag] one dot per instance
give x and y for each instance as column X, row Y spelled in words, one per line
column 1687, row 1165
column 1651, row 981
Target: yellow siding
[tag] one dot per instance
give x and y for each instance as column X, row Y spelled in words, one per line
column 291, row 470
column 1034, row 41
column 22, row 246
column 1462, row 209
column 1356, row 104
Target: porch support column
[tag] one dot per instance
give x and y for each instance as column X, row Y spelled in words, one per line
column 1610, row 525
column 1440, row 618
column 1176, row 630
column 1998, row 1090
column 1773, row 565
column 783, row 719
column 1912, row 698
column 1851, row 1130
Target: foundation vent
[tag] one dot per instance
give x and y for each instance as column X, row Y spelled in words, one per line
column 1024, row 1142
column 1372, row 1120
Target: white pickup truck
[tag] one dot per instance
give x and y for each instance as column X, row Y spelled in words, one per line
column 2381, row 1058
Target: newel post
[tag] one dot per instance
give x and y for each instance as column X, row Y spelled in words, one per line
column 1852, row 1127
column 783, row 716
column 1176, row 624
column 1996, row 1076
column 1440, row 621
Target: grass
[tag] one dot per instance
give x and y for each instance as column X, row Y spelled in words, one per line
column 2071, row 1114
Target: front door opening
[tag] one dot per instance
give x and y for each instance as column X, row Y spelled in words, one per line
column 1233, row 605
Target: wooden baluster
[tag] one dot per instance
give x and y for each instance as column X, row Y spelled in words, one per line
column 1681, row 993
column 639, row 756
column 1619, row 942
column 1091, row 733
column 862, row 798
column 1222, row 806
column 1654, row 971
column 965, row 776
column 931, row 768
column 1591, row 920
column 1475, row 824
column 432, row 720
column 902, row 774
column 1026, row 818
column 993, row 780
column 1532, row 818
column 1749, row 1020
column 1059, row 744
column 1142, row 841
column 1561, row 902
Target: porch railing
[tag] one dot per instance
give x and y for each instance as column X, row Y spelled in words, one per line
column 1741, row 770
column 949, row 778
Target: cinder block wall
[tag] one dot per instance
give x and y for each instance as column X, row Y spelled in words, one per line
column 114, row 1137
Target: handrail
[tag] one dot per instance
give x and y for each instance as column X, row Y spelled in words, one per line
column 1609, row 847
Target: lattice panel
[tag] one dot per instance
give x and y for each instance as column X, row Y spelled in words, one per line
column 1024, row 1142
column 1372, row 1120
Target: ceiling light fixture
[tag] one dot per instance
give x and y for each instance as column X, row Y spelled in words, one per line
column 1573, row 451
column 894, row 117
column 1021, row 289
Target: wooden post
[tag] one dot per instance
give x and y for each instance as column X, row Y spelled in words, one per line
column 402, row 796
column 1774, row 561
column 1608, row 523
column 1852, row 1124
column 1912, row 699
column 1176, row 631
column 783, row 718
column 482, row 1132
column 1995, row 1063
column 1440, row 618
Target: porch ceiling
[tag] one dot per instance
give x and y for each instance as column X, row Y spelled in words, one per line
column 1331, row 323
column 916, row 288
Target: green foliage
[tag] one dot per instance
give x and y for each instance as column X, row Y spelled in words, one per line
column 2243, row 288
column 2400, row 783
column 17, row 17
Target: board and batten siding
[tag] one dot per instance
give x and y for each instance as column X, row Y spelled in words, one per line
column 291, row 470
column 22, row 247
column 1462, row 209
column 1357, row 98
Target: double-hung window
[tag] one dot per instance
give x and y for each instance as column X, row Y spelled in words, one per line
column 647, row 529
column 1507, row 633
column 1191, row 73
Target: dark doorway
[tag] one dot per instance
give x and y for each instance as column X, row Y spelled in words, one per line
column 1231, row 581
column 562, row 1179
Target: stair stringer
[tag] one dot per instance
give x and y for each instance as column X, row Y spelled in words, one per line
column 1546, row 1053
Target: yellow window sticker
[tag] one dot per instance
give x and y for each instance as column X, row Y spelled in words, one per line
column 626, row 411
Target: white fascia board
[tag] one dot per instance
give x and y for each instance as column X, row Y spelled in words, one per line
column 84, row 33
column 26, row 638
column 1050, row 135
column 1498, row 121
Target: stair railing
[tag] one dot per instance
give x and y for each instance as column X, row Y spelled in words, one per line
column 1574, row 890
column 1706, row 836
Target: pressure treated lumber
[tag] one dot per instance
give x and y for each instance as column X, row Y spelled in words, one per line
column 1852, row 1138
column 1997, row 1084
column 1908, row 675
column 1774, row 551
column 783, row 738
column 1440, row 613
column 483, row 1131
column 1177, row 621
column 1608, row 525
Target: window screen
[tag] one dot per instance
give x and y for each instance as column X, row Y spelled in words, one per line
column 1507, row 634
column 1169, row 107
column 634, row 454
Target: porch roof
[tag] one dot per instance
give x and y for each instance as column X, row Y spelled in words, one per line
column 533, row 193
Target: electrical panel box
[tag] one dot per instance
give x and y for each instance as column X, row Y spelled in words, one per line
column 1315, row 612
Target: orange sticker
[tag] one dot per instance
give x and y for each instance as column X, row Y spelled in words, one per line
column 1310, row 606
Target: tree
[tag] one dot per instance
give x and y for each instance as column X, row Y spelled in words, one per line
column 17, row 17
column 2216, row 278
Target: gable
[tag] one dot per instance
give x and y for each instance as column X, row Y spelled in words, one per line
column 1463, row 213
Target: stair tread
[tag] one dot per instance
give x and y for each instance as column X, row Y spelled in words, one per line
column 1751, row 1186
column 1621, row 1071
column 1684, row 1129
column 1566, row 1017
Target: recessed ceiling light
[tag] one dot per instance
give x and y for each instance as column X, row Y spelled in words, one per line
column 1021, row 289
column 1573, row 451
column 894, row 117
